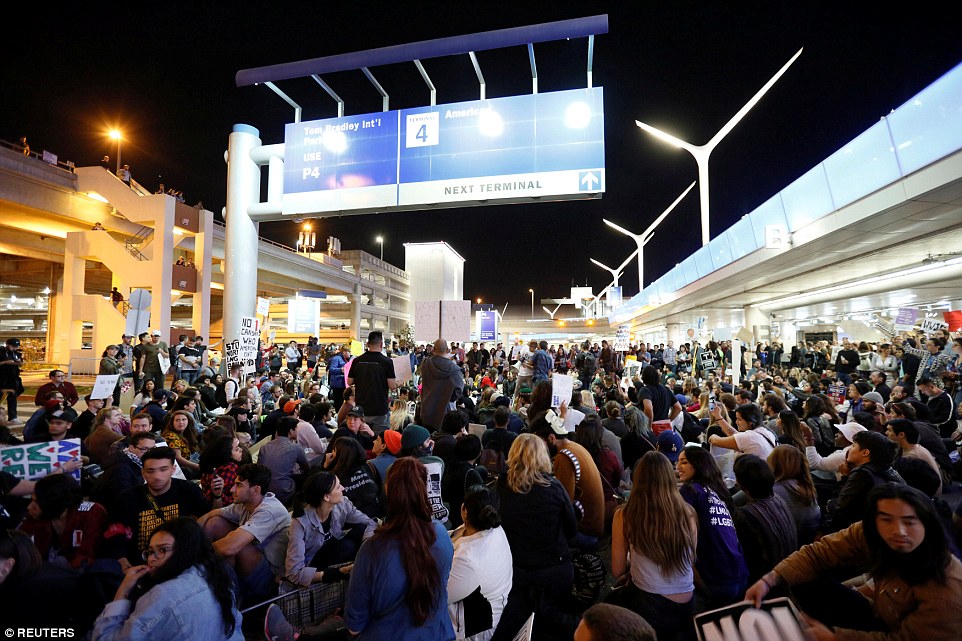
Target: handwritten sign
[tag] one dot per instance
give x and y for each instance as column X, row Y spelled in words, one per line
column 562, row 386
column 775, row 620
column 930, row 325
column 247, row 345
column 906, row 318
column 402, row 369
column 263, row 306
column 104, row 386
column 164, row 362
column 36, row 460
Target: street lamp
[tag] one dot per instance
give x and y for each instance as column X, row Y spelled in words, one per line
column 115, row 134
column 307, row 239
column 380, row 241
column 701, row 153
column 479, row 300
column 532, row 302
column 643, row 238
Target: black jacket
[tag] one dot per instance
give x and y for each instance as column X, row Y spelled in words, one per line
column 849, row 506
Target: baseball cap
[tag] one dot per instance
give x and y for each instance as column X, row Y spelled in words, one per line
column 67, row 414
column 156, row 332
column 290, row 405
column 126, row 335
column 875, row 397
column 849, row 430
column 413, row 436
column 670, row 444
column 392, row 440
column 357, row 411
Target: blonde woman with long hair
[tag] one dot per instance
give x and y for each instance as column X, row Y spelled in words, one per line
column 660, row 531
column 538, row 519
column 399, row 415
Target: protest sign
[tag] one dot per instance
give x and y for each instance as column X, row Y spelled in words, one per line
column 562, row 386
column 164, row 362
column 247, row 345
column 36, row 460
column 930, row 325
column 775, row 620
column 402, row 369
column 104, row 386
column 906, row 318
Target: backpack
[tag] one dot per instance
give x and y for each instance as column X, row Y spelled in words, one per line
column 589, row 578
column 691, row 429
column 492, row 459
column 220, row 394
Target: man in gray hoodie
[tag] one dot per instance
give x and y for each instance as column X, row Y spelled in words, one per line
column 441, row 384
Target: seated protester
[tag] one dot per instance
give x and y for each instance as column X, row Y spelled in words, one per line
column 765, row 525
column 868, row 463
column 515, row 422
column 387, row 445
column 242, row 415
column 29, row 585
column 482, row 570
column 319, row 536
column 794, row 484
column 452, row 425
column 305, row 436
column 66, row 529
column 207, row 394
column 347, row 460
column 606, row 622
column 182, row 576
column 355, row 427
column 58, row 425
column 15, row 497
column 417, row 443
column 928, row 437
column 269, row 423
column 460, row 474
column 181, row 437
column 281, row 455
column 943, row 413
column 498, row 435
column 538, row 520
column 915, row 581
column 398, row 587
column 653, row 543
column 161, row 498
column 250, row 534
column 903, row 433
column 122, row 470
column 85, row 420
column 578, row 474
column 105, row 433
column 720, row 567
column 37, row 423
column 751, row 435
column 613, row 421
column 157, row 407
column 589, row 434
column 310, row 413
column 219, row 462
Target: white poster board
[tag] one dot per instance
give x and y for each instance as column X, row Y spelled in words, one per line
column 562, row 386
column 402, row 369
column 36, row 460
column 263, row 306
column 247, row 347
column 164, row 363
column 775, row 620
column 104, row 386
column 622, row 342
column 456, row 320
column 427, row 320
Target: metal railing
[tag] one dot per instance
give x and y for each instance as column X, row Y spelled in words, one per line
column 63, row 165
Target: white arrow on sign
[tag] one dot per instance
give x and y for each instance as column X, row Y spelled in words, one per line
column 589, row 180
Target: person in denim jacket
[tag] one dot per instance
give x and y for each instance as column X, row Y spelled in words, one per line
column 183, row 592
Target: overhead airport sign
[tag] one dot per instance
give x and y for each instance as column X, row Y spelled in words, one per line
column 514, row 149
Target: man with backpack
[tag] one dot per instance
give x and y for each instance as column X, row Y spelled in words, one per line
column 497, row 442
column 585, row 364
column 229, row 388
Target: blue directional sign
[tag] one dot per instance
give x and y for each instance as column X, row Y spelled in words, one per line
column 487, row 325
column 510, row 149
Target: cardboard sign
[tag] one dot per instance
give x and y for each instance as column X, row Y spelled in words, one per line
column 745, row 336
column 104, row 386
column 36, row 460
column 357, row 348
column 930, row 325
column 775, row 620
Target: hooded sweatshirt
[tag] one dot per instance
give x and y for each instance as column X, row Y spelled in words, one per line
column 442, row 383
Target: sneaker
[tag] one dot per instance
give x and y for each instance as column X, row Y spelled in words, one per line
column 276, row 627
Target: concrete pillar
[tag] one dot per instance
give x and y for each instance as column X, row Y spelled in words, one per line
column 69, row 330
column 163, row 259
column 203, row 253
column 240, row 242
column 757, row 322
column 356, row 317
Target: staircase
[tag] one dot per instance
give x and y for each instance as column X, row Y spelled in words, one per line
column 134, row 244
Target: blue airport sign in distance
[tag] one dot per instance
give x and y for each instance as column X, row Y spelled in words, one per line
column 513, row 149
column 487, row 325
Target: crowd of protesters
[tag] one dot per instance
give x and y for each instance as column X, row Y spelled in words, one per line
column 462, row 501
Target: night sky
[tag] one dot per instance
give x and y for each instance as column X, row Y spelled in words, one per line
column 164, row 74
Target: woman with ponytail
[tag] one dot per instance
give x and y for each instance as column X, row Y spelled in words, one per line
column 398, row 587
column 481, row 574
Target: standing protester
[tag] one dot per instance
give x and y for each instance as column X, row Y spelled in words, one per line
column 11, row 386
column 149, row 365
column 335, row 375
column 372, row 375
column 442, row 385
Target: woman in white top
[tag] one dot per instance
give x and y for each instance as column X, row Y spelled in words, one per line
column 653, row 541
column 481, row 573
column 886, row 362
column 751, row 437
